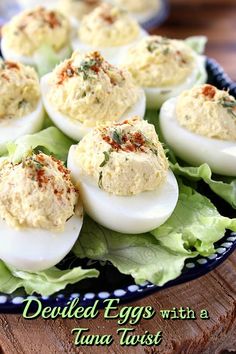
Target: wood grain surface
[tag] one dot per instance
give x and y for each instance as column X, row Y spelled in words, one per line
column 214, row 18
column 215, row 292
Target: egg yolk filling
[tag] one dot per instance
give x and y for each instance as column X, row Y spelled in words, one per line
column 31, row 29
column 37, row 193
column 19, row 90
column 88, row 89
column 160, row 62
column 208, row 111
column 124, row 159
column 108, row 26
column 78, row 8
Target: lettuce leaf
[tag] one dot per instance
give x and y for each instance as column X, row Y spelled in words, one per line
column 44, row 283
column 51, row 139
column 197, row 43
column 194, row 225
column 138, row 255
column 224, row 189
column 158, row 256
column 46, row 59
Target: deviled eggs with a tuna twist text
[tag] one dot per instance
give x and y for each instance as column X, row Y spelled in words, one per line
column 123, row 177
column 40, row 212
column 164, row 68
column 21, row 108
column 109, row 30
column 31, row 30
column 86, row 91
column 200, row 127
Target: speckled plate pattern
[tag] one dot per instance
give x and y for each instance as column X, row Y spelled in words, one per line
column 111, row 283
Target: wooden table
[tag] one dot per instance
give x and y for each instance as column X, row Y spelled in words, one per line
column 215, row 292
column 215, row 19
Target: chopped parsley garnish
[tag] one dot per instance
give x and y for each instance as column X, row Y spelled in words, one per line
column 38, row 164
column 128, row 142
column 166, row 50
column 151, row 146
column 230, row 105
column 100, row 180
column 152, row 46
column 85, row 66
column 107, row 155
column 117, row 137
column 22, row 103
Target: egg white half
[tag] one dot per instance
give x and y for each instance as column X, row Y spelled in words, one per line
column 73, row 128
column 147, row 15
column 196, row 149
column 113, row 55
column 11, row 129
column 11, row 55
column 132, row 214
column 156, row 96
column 28, row 4
column 34, row 250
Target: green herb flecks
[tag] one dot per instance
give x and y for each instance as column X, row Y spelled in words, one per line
column 100, row 180
column 166, row 51
column 151, row 146
column 85, row 66
column 154, row 45
column 154, row 151
column 229, row 105
column 37, row 164
column 22, row 104
column 107, row 155
column 117, row 137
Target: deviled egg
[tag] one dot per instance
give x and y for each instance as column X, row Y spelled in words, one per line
column 139, row 9
column 109, row 30
column 33, row 29
column 123, row 177
column 200, row 127
column 77, row 9
column 40, row 212
column 164, row 68
column 86, row 91
column 21, row 108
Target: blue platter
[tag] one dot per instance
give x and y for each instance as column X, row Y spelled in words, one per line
column 111, row 283
column 157, row 18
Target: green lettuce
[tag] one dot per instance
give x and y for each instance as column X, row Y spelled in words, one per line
column 46, row 59
column 138, row 255
column 197, row 43
column 224, row 189
column 49, row 140
column 195, row 225
column 158, row 256
column 45, row 282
